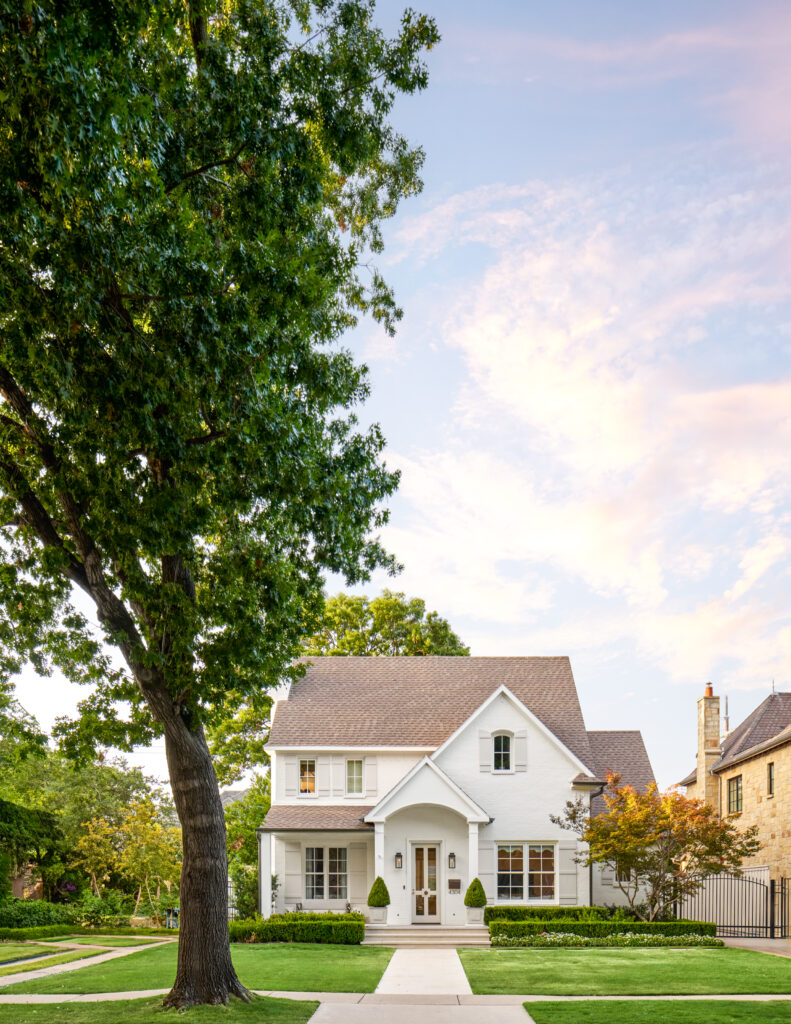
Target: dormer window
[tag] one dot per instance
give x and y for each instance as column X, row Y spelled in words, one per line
column 502, row 752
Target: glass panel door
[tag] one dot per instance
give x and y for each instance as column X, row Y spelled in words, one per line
column 425, row 892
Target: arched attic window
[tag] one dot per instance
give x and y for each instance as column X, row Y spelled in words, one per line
column 502, row 751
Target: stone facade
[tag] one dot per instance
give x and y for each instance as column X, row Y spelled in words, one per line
column 772, row 814
column 708, row 746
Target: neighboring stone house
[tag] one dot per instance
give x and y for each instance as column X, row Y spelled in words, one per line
column 747, row 772
column 430, row 771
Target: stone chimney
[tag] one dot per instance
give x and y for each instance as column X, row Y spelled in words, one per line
column 708, row 787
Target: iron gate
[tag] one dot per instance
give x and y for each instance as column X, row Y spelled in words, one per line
column 741, row 906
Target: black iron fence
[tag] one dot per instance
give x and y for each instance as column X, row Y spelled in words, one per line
column 741, row 906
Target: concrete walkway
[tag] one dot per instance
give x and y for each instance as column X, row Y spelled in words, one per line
column 428, row 972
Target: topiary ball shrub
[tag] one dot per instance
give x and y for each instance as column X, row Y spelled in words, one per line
column 475, row 895
column 379, row 896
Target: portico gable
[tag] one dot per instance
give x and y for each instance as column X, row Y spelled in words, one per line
column 426, row 783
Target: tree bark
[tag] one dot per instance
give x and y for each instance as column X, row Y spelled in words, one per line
column 205, row 972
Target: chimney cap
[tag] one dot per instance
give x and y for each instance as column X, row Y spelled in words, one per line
column 709, row 691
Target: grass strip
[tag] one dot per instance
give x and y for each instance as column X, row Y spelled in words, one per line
column 289, row 967
column 23, row 950
column 110, row 941
column 151, row 1011
column 698, row 1011
column 614, row 972
column 48, row 961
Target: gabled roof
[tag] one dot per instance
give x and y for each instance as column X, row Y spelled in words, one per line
column 421, row 701
column 622, row 751
column 444, row 792
column 768, row 726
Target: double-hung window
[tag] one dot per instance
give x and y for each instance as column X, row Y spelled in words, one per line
column 770, row 779
column 325, row 873
column 307, row 776
column 502, row 752
column 534, row 860
column 735, row 795
column 354, row 778
column 510, row 873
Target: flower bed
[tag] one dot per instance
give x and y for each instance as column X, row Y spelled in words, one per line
column 623, row 939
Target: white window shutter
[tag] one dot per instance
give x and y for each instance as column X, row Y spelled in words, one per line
column 369, row 776
column 520, row 751
column 485, row 745
column 294, row 889
column 358, row 874
column 323, row 776
column 338, row 776
column 567, row 874
column 292, row 775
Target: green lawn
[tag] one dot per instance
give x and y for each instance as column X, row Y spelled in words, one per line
column 150, row 1011
column 15, row 950
column 624, row 971
column 698, row 1011
column 294, row 967
column 48, row 961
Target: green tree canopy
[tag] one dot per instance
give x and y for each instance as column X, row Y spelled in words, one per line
column 192, row 198
column 390, row 624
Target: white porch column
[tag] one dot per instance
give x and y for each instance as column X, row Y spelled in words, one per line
column 472, row 853
column 379, row 849
column 265, row 841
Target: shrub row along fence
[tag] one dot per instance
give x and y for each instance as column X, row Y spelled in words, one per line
column 601, row 929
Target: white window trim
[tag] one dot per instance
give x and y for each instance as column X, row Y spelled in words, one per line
column 361, row 791
column 326, row 898
column 511, row 751
column 315, row 793
column 524, row 898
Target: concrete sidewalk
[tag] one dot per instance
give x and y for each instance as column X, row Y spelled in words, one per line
column 425, row 972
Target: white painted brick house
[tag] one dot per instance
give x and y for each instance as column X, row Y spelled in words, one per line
column 430, row 771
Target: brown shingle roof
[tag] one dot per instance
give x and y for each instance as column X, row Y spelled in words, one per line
column 621, row 751
column 420, row 702
column 299, row 817
column 770, row 721
column 767, row 726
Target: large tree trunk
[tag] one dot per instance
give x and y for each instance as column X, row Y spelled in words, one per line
column 205, row 973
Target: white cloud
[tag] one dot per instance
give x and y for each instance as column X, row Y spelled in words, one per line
column 584, row 449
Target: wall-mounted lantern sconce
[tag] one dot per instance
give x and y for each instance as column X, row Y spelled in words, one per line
column 452, row 861
column 399, row 861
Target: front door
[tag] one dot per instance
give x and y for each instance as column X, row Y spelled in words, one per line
column 425, row 893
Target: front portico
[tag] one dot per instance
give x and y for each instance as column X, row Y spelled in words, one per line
column 426, row 846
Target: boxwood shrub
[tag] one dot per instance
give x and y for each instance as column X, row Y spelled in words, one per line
column 54, row 930
column 517, row 913
column 339, row 929
column 18, row 913
column 601, row 929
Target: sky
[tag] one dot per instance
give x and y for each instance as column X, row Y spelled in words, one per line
column 589, row 396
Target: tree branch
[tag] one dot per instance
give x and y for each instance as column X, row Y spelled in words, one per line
column 204, row 168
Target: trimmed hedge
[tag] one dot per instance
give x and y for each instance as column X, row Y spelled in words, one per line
column 518, row 913
column 629, row 940
column 19, row 913
column 337, row 929
column 54, row 930
column 601, row 929
column 475, row 895
column 379, row 896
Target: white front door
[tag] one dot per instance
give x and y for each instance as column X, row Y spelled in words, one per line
column 425, row 891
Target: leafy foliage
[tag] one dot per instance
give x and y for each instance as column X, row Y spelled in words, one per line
column 602, row 929
column 192, row 197
column 548, row 940
column 379, row 896
column 475, row 895
column 337, row 929
column 661, row 847
column 390, row 624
